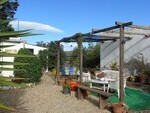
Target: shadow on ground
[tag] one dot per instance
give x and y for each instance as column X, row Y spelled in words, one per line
column 12, row 98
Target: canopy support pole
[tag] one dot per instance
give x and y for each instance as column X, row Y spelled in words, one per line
column 58, row 63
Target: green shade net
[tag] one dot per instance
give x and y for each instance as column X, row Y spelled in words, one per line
column 136, row 100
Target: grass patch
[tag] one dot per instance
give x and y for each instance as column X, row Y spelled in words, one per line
column 136, row 100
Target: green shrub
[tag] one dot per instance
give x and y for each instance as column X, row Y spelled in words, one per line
column 31, row 72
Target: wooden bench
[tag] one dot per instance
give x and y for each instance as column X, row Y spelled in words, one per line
column 103, row 96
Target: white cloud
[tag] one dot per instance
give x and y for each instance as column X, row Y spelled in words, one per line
column 35, row 26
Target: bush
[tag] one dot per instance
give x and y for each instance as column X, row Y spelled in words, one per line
column 33, row 71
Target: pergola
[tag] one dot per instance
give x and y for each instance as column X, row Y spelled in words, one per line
column 94, row 36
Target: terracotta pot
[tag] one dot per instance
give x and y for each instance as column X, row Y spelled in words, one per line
column 118, row 108
column 73, row 85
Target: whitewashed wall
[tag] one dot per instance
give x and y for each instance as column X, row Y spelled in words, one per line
column 15, row 49
column 138, row 44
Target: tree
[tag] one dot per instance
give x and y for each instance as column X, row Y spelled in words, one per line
column 74, row 57
column 7, row 11
column 51, row 53
column 41, row 43
column 43, row 57
column 33, row 71
column 91, row 56
column 7, row 81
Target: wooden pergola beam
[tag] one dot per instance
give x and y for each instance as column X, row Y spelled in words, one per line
column 125, row 32
column 134, row 26
column 90, row 38
column 139, row 27
column 105, row 29
column 123, row 24
column 93, row 40
column 111, row 28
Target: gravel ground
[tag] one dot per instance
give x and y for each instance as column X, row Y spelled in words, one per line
column 47, row 98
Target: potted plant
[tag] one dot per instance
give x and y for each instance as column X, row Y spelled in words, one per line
column 73, row 85
column 118, row 107
column 66, row 89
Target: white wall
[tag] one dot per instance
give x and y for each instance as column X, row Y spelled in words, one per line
column 138, row 44
column 15, row 49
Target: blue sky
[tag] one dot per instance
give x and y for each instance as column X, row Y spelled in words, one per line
column 73, row 16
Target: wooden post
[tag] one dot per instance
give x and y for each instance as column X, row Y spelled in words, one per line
column 121, row 59
column 80, row 56
column 100, row 57
column 58, row 63
column 121, row 64
column 81, row 64
column 100, row 101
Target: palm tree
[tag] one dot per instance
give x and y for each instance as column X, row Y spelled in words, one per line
column 7, row 81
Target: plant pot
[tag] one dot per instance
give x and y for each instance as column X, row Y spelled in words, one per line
column 73, row 85
column 118, row 107
column 66, row 90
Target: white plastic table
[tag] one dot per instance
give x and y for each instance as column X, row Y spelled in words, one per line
column 104, row 82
